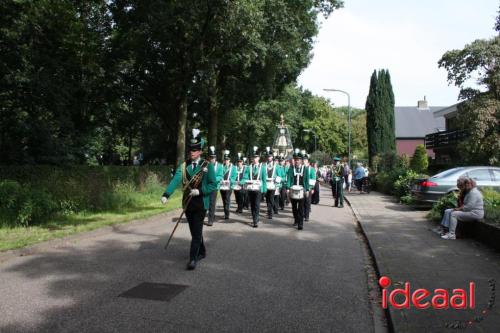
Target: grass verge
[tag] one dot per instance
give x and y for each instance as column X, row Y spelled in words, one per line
column 65, row 225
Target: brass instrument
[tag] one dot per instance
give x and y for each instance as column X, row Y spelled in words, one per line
column 193, row 183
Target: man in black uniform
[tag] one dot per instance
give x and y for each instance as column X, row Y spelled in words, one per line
column 297, row 178
column 196, row 196
column 239, row 191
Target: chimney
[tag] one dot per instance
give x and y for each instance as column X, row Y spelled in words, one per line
column 423, row 105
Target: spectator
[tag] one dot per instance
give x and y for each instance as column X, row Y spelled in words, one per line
column 349, row 181
column 472, row 210
column 443, row 228
column 359, row 174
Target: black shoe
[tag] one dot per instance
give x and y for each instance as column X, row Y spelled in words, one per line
column 269, row 217
column 341, row 206
column 276, row 213
column 191, row 265
column 295, row 224
column 255, row 225
column 210, row 223
column 226, row 217
column 201, row 256
column 300, row 227
column 306, row 219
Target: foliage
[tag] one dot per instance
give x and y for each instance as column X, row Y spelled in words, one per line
column 380, row 115
column 491, row 199
column 109, row 79
column 404, row 183
column 420, row 161
column 32, row 194
column 480, row 113
column 445, row 202
column 24, row 206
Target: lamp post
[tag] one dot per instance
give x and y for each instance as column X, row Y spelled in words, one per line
column 349, row 112
column 314, row 134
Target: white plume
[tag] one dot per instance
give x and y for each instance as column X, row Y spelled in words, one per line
column 268, row 149
column 212, row 148
column 303, row 152
column 195, row 132
column 255, row 148
column 297, row 150
column 226, row 152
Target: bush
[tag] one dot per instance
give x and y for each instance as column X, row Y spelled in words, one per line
column 491, row 200
column 420, row 161
column 24, row 206
column 32, row 194
column 447, row 201
column 402, row 185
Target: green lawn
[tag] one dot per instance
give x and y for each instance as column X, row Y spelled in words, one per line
column 17, row 237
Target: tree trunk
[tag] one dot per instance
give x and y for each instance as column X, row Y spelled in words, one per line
column 181, row 130
column 213, row 110
column 130, row 148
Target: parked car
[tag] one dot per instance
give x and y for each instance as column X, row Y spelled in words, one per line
column 433, row 188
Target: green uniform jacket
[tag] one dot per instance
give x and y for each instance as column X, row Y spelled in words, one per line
column 208, row 182
column 312, row 176
column 291, row 179
column 280, row 172
column 263, row 175
column 232, row 175
column 219, row 173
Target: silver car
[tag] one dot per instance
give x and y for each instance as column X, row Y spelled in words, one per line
column 433, row 188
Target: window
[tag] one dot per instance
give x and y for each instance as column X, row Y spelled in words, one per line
column 496, row 173
column 480, row 175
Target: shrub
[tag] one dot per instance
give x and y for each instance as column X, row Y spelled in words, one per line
column 402, row 185
column 491, row 200
column 23, row 206
column 420, row 161
column 447, row 201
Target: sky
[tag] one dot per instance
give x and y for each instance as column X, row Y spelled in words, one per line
column 408, row 37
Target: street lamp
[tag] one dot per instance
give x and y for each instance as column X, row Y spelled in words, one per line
column 349, row 111
column 314, row 134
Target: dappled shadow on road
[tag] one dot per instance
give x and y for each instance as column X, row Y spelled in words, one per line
column 74, row 288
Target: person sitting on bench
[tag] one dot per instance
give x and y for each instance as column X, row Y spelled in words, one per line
column 472, row 210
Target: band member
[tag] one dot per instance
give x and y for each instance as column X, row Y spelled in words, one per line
column 273, row 176
column 315, row 196
column 199, row 195
column 246, row 200
column 284, row 173
column 212, row 157
column 226, row 185
column 298, row 184
column 255, row 178
column 312, row 182
column 239, row 191
column 338, row 178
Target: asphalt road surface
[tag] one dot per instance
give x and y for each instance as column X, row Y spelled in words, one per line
column 273, row 278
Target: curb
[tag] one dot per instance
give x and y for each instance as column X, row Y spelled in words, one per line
column 57, row 242
column 387, row 313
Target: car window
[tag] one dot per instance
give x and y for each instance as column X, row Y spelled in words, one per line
column 480, row 174
column 446, row 173
column 496, row 173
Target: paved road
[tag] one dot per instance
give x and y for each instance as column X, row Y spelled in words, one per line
column 273, row 278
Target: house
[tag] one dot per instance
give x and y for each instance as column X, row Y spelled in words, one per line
column 413, row 123
column 443, row 143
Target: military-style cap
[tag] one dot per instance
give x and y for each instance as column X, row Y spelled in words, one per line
column 297, row 154
column 212, row 152
column 255, row 152
column 269, row 152
column 196, row 142
column 240, row 157
column 226, row 155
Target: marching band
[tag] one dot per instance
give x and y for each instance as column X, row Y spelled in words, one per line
column 277, row 179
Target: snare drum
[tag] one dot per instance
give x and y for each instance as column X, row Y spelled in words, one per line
column 270, row 185
column 297, row 192
column 237, row 186
column 253, row 185
column 225, row 185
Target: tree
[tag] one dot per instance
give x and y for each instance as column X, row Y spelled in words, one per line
column 420, row 161
column 479, row 112
column 380, row 115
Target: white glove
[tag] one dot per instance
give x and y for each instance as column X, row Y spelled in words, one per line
column 205, row 169
column 164, row 200
column 278, row 179
column 194, row 193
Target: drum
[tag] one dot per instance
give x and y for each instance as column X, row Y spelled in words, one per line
column 253, row 185
column 312, row 182
column 297, row 192
column 237, row 186
column 270, row 185
column 225, row 185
